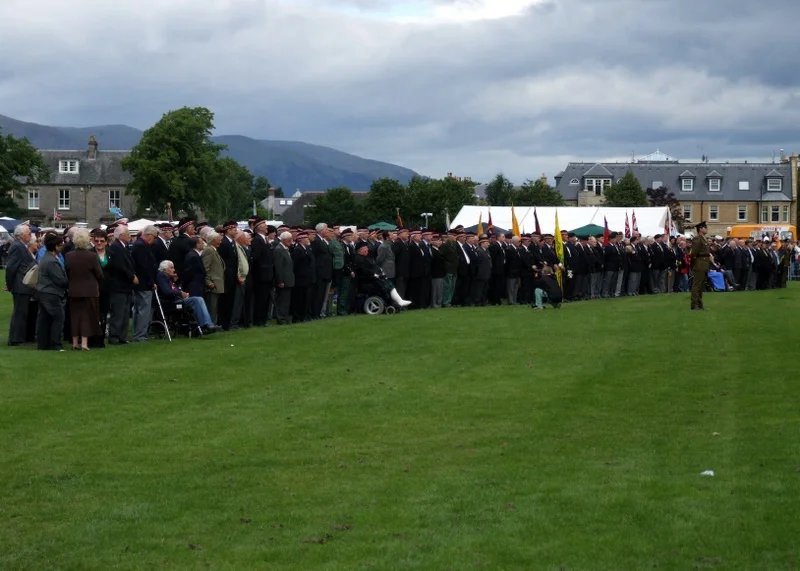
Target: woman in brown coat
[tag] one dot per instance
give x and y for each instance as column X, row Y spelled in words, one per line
column 85, row 274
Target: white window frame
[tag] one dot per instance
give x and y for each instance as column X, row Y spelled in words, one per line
column 774, row 185
column 69, row 166
column 687, row 185
column 714, row 185
column 592, row 184
column 574, row 182
column 775, row 213
column 63, row 199
column 713, row 212
column 785, row 210
column 112, row 203
column 744, row 185
column 687, row 208
column 741, row 213
column 764, row 214
column 33, row 199
column 657, row 184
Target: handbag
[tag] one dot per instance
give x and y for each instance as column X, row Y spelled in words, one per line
column 31, row 277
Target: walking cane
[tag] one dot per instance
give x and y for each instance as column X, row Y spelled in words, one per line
column 163, row 318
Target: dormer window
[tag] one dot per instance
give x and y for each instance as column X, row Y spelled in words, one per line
column 714, row 185
column 774, row 185
column 687, row 184
column 574, row 181
column 68, row 167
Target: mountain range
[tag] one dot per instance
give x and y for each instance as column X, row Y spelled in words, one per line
column 291, row 165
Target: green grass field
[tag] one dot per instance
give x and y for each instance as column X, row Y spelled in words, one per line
column 496, row 438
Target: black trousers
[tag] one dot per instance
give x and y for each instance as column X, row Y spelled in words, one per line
column 400, row 284
column 302, row 300
column 262, row 300
column 478, row 293
column 321, row 297
column 226, row 301
column 18, row 330
column 497, row 288
column 50, row 322
column 120, row 316
column 463, row 294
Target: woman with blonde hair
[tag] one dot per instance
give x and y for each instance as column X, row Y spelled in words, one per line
column 84, row 274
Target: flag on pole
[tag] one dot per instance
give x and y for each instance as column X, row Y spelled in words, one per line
column 399, row 220
column 514, row 224
column 536, row 222
column 56, row 215
column 480, row 224
column 254, row 208
column 666, row 223
column 490, row 228
column 559, row 250
column 633, row 221
column 627, row 227
column 447, row 219
column 606, row 232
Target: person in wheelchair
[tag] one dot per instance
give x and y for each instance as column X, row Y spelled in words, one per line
column 371, row 280
column 170, row 293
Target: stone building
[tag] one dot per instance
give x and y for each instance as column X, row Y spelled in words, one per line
column 723, row 194
column 84, row 186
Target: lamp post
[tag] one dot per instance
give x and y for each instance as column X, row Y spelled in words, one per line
column 426, row 215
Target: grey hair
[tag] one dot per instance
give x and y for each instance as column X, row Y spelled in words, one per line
column 164, row 266
column 119, row 231
column 20, row 229
column 151, row 230
column 321, row 226
column 81, row 239
column 211, row 237
column 285, row 236
column 206, row 231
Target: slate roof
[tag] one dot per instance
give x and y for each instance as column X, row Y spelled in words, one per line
column 597, row 170
column 105, row 170
column 669, row 175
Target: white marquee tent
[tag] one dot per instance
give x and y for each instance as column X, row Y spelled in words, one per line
column 649, row 220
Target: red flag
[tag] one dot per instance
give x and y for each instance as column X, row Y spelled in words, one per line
column 490, row 227
column 536, row 221
column 633, row 220
column 56, row 214
column 606, row 233
column 666, row 224
column 399, row 220
column 627, row 227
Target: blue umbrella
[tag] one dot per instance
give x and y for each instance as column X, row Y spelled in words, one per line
column 9, row 224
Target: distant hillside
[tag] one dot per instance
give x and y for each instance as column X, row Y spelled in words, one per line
column 288, row 164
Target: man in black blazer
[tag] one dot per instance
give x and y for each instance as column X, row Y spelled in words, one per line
column 193, row 280
column 402, row 262
column 229, row 254
column 612, row 263
column 284, row 278
column 180, row 246
column 161, row 244
column 262, row 271
column 303, row 265
column 20, row 260
column 122, row 280
column 145, row 267
column 323, row 261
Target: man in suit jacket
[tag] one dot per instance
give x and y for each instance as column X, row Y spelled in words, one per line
column 229, row 255
column 513, row 270
column 194, row 272
column 145, row 268
column 214, row 275
column 51, row 290
column 161, row 244
column 303, row 264
column 284, row 278
column 497, row 250
column 385, row 255
column 483, row 272
column 123, row 278
column 19, row 261
column 323, row 261
column 180, row 246
column 263, row 273
column 612, row 263
column 401, row 261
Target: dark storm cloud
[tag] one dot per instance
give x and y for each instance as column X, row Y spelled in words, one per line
column 585, row 79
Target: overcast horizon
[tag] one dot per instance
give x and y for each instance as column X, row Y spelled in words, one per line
column 473, row 87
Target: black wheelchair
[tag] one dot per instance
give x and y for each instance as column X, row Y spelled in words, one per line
column 373, row 300
column 171, row 318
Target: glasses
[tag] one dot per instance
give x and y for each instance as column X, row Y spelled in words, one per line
column 101, row 240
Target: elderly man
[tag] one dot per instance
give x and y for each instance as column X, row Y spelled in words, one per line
column 323, row 260
column 144, row 266
column 168, row 290
column 284, row 278
column 19, row 262
column 122, row 279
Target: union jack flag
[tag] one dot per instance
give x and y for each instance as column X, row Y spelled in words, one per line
column 56, row 214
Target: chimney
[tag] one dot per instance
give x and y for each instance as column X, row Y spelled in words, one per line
column 271, row 201
column 92, row 148
column 543, row 178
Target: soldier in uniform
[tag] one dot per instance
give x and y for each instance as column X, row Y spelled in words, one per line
column 701, row 260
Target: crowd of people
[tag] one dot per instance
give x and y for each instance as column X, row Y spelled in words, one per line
column 90, row 285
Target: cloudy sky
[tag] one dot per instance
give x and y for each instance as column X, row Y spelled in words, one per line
column 471, row 87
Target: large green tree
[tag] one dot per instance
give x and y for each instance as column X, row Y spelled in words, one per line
column 500, row 192
column 538, row 193
column 386, row 195
column 175, row 161
column 233, row 192
column 626, row 192
column 337, row 206
column 21, row 165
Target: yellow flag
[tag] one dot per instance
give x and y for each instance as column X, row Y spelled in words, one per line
column 559, row 248
column 514, row 224
column 480, row 224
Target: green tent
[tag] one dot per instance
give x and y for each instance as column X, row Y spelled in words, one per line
column 588, row 230
column 382, row 226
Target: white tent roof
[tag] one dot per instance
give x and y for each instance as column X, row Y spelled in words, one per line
column 139, row 225
column 649, row 220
